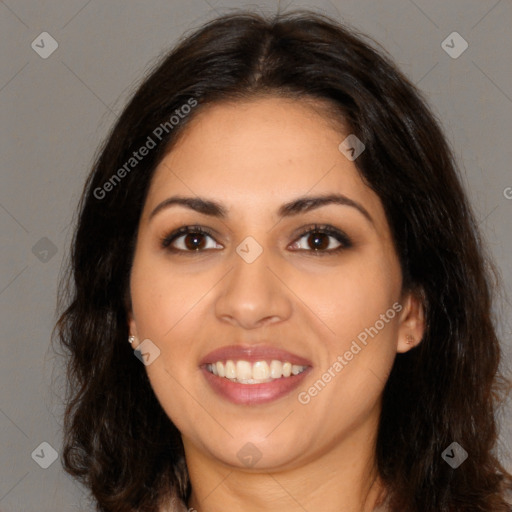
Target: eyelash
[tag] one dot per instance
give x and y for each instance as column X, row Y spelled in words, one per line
column 325, row 229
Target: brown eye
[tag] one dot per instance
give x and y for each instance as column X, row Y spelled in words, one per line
column 194, row 241
column 322, row 240
column 318, row 241
column 189, row 239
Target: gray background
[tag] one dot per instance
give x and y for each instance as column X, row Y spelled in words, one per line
column 56, row 111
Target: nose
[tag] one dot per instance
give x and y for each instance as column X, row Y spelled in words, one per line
column 253, row 295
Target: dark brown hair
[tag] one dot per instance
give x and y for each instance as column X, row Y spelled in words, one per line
column 118, row 440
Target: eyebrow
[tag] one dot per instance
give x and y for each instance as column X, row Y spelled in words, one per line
column 295, row 207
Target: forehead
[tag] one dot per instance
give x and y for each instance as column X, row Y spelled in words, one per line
column 257, row 152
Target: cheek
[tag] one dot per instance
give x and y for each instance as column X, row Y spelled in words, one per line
column 169, row 309
column 358, row 358
column 164, row 304
column 162, row 297
column 355, row 295
column 359, row 304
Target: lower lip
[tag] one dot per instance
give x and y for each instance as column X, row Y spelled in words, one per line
column 252, row 394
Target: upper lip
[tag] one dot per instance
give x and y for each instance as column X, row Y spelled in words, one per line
column 253, row 353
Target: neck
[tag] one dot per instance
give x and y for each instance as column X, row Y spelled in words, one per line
column 342, row 479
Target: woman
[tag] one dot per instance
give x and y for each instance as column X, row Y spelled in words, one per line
column 276, row 226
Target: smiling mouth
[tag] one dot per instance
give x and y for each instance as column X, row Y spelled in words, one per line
column 257, row 372
column 253, row 375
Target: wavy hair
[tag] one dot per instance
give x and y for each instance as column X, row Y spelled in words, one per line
column 118, row 441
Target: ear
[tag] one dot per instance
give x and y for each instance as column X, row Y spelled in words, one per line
column 411, row 321
column 132, row 329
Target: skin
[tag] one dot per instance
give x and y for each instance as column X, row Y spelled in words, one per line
column 252, row 157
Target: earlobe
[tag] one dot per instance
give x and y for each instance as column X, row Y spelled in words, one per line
column 132, row 329
column 411, row 322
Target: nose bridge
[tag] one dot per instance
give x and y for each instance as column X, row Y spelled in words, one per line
column 251, row 267
column 251, row 292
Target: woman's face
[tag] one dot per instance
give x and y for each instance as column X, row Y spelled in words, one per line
column 265, row 294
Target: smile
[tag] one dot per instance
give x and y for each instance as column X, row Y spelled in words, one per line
column 253, row 374
column 257, row 372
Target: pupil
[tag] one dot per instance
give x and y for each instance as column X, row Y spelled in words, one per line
column 317, row 241
column 196, row 241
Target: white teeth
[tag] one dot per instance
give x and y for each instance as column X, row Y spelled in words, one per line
column 260, row 370
column 296, row 369
column 255, row 373
column 230, row 370
column 243, row 370
column 276, row 369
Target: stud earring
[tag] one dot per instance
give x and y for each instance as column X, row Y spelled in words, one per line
column 131, row 339
column 409, row 339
